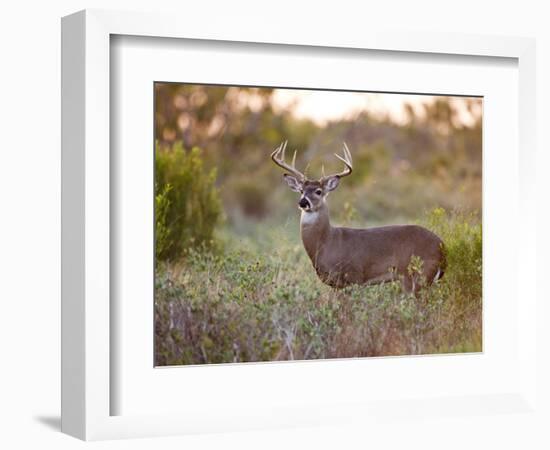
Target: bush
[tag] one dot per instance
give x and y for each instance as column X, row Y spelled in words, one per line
column 162, row 232
column 187, row 202
column 252, row 197
column 462, row 235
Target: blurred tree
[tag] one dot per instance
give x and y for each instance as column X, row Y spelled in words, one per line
column 237, row 128
column 433, row 159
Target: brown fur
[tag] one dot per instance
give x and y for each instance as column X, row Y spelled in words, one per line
column 343, row 256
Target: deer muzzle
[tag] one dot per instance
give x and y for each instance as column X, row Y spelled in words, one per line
column 304, row 203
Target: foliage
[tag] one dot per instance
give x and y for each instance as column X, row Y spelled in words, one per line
column 261, row 300
column 399, row 168
column 187, row 202
column 162, row 230
column 462, row 234
column 251, row 196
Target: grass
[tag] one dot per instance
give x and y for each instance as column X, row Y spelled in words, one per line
column 256, row 298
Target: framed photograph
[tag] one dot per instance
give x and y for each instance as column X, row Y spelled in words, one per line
column 263, row 231
column 242, row 277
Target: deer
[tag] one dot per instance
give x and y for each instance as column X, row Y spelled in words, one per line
column 364, row 256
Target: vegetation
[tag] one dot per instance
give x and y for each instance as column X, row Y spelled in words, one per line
column 187, row 203
column 400, row 169
column 260, row 300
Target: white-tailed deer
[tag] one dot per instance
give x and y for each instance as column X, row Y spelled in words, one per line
column 343, row 256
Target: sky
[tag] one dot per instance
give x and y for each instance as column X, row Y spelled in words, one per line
column 323, row 106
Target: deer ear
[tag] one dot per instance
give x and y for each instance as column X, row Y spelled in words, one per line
column 331, row 183
column 293, row 183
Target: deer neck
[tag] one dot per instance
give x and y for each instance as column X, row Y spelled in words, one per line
column 315, row 228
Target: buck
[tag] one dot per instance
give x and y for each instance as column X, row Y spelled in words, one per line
column 343, row 256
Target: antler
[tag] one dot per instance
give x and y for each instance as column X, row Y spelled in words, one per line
column 278, row 157
column 346, row 159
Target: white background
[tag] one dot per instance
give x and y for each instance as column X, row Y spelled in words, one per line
column 29, row 226
column 141, row 389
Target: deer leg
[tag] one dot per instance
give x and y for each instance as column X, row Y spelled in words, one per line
column 411, row 284
column 407, row 283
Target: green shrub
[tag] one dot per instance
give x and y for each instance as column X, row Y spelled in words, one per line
column 462, row 235
column 162, row 232
column 252, row 197
column 188, row 207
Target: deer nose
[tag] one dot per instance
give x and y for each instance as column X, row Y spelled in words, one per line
column 303, row 203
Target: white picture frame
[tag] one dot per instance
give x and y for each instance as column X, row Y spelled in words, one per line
column 87, row 386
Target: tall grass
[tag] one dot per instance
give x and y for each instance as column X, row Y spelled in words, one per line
column 257, row 298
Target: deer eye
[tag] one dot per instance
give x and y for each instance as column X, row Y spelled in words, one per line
column 318, row 191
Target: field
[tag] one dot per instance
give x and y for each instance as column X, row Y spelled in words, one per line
column 256, row 298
